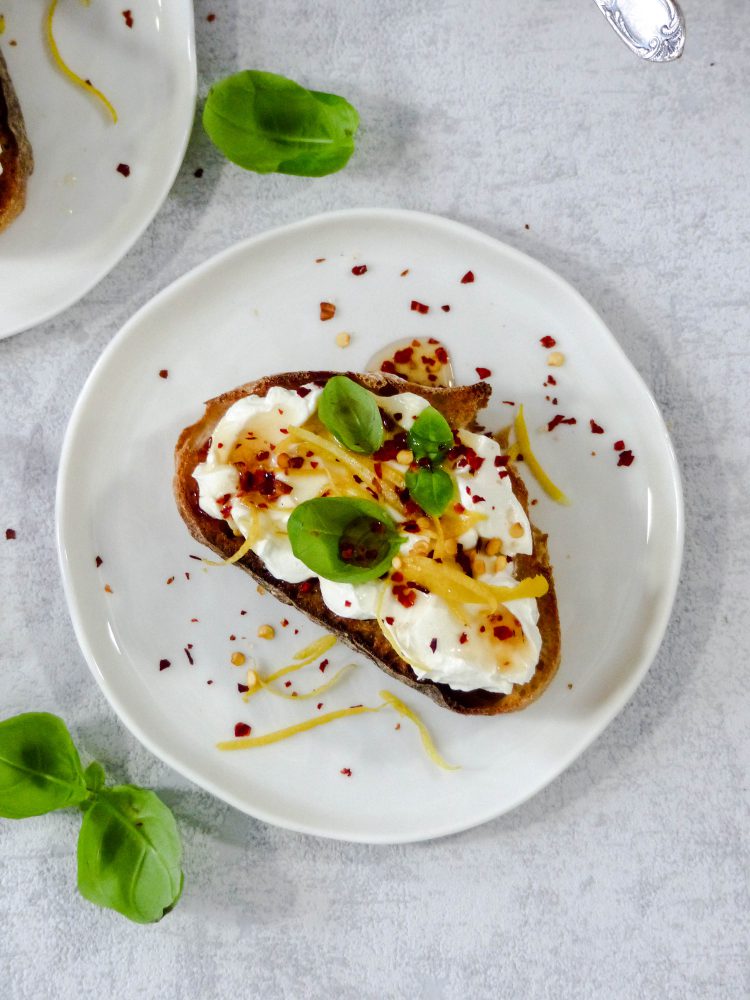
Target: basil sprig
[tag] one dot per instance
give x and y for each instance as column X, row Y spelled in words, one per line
column 129, row 850
column 351, row 414
column 343, row 539
column 433, row 489
column 268, row 123
column 430, row 440
column 430, row 436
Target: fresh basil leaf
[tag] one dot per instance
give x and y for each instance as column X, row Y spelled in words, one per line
column 433, row 489
column 351, row 414
column 129, row 854
column 430, row 435
column 94, row 776
column 334, row 536
column 266, row 122
column 40, row 769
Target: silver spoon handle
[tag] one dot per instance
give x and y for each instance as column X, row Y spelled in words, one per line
column 653, row 29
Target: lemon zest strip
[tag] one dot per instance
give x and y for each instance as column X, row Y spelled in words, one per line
column 246, row 742
column 67, row 71
column 524, row 447
column 427, row 741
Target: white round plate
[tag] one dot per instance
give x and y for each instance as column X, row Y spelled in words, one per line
column 81, row 215
column 254, row 310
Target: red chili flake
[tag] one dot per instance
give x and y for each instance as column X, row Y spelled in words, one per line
column 419, row 307
column 404, row 272
column 284, row 622
column 302, row 391
column 305, row 586
column 477, row 499
column 397, row 577
column 446, row 309
column 388, row 367
column 128, row 15
column 170, row 580
column 243, row 612
column 502, row 632
column 189, row 654
column 509, row 402
column 459, row 508
column 595, row 428
column 327, row 311
column 360, row 269
column 193, row 619
column 500, row 460
column 124, row 169
column 287, row 684
column 242, row 688
column 403, row 356
column 163, row 664
column 626, row 458
column 347, row 771
column 407, row 598
column 389, row 620
column 551, row 380
column 323, row 665
column 209, row 682
column 164, row 373
column 242, row 729
column 210, row 18
column 198, row 173
column 347, row 604
column 560, row 419
column 463, row 638
column 547, row 341
column 98, row 560
column 619, row 445
column 433, row 644
column 319, row 705
column 442, row 355
column 483, row 372
column 467, row 278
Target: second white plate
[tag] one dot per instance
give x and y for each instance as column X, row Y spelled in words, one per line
column 81, row 214
column 254, row 310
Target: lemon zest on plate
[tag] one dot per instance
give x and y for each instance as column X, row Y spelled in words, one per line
column 523, row 447
column 66, row 70
column 246, row 742
column 427, row 741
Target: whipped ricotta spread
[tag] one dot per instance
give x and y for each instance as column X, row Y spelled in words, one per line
column 491, row 652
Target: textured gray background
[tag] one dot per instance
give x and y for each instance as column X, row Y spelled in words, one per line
column 628, row 877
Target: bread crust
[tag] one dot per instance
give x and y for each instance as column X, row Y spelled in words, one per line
column 459, row 406
column 16, row 157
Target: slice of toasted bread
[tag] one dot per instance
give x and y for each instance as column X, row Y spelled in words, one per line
column 16, row 159
column 460, row 407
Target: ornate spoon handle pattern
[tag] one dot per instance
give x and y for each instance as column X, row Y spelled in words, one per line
column 653, row 29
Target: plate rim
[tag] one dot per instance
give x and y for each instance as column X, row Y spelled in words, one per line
column 613, row 706
column 169, row 177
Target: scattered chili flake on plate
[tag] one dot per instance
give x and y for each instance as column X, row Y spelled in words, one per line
column 404, row 272
column 359, row 269
column 163, row 664
column 189, row 655
column 10, row 534
column 547, row 341
column 419, row 307
column 619, row 446
column 210, row 18
column 468, row 278
column 164, row 373
column 124, row 169
column 595, row 428
column 560, row 419
column 446, row 309
column 170, row 580
column 346, row 771
column 626, row 458
column 242, row 729
column 98, row 561
column 483, row 372
column 323, row 665
column 128, row 15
